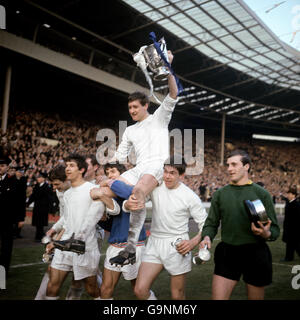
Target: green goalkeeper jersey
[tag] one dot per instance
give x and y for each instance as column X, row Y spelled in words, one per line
column 227, row 208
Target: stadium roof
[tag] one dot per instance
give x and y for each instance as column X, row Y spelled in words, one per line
column 228, row 61
column 229, row 32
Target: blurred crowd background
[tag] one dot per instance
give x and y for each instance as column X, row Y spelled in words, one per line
column 37, row 141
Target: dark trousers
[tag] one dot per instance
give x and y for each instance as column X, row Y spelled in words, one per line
column 291, row 247
column 17, row 231
column 6, row 238
column 39, row 232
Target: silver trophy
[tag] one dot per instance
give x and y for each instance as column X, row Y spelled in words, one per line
column 176, row 243
column 256, row 211
column 202, row 256
column 154, row 61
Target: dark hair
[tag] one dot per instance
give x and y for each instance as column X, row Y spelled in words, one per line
column 141, row 96
column 245, row 158
column 293, row 190
column 93, row 159
column 80, row 161
column 120, row 167
column 176, row 162
column 58, row 173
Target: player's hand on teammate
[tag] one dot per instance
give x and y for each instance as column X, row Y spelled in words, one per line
column 96, row 193
column 132, row 204
column 102, row 180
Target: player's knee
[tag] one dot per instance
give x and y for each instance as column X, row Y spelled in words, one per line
column 106, row 291
column 178, row 294
column 52, row 289
column 140, row 292
column 92, row 290
column 77, row 284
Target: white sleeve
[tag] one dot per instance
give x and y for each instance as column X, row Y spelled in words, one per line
column 165, row 110
column 59, row 224
column 124, row 148
column 123, row 206
column 61, row 221
column 115, row 211
column 197, row 211
column 93, row 215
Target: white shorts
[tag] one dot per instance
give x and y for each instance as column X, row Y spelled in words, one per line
column 83, row 266
column 129, row 271
column 161, row 251
column 156, row 169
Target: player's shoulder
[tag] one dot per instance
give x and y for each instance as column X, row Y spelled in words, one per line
column 260, row 190
column 89, row 185
column 184, row 189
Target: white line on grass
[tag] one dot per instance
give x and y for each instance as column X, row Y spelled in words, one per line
column 36, row 263
column 27, row 264
column 281, row 264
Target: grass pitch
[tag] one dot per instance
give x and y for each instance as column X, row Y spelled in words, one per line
column 27, row 271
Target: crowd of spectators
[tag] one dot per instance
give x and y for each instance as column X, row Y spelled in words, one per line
column 38, row 141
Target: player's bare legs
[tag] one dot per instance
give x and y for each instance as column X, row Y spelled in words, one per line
column 137, row 218
column 148, row 272
column 56, row 279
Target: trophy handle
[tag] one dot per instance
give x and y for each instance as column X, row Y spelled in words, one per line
column 163, row 48
column 148, row 59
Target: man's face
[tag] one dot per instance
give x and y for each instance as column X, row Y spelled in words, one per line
column 112, row 173
column 11, row 171
column 19, row 174
column 90, row 172
column 237, row 171
column 58, row 185
column 137, row 111
column 72, row 171
column 290, row 196
column 40, row 179
column 3, row 169
column 171, row 177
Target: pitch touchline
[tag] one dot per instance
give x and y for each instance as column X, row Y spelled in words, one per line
column 36, row 263
column 26, row 264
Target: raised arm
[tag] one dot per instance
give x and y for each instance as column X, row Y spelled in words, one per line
column 173, row 90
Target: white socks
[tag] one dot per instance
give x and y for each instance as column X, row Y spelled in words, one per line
column 136, row 220
column 74, row 293
column 99, row 279
column 41, row 294
column 152, row 296
column 51, row 298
